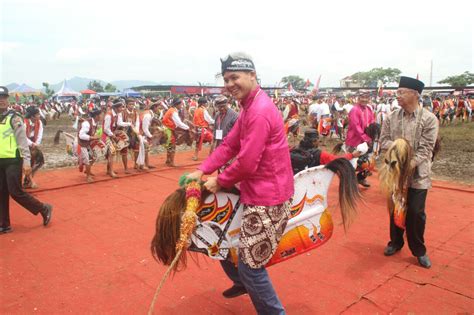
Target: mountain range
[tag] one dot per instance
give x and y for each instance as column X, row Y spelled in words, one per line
column 78, row 84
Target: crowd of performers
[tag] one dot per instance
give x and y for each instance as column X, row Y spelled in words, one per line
column 129, row 127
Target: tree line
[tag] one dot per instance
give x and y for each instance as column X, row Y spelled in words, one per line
column 376, row 76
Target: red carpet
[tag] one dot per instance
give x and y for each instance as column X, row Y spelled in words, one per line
column 95, row 258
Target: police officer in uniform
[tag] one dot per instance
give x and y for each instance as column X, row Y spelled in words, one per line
column 15, row 158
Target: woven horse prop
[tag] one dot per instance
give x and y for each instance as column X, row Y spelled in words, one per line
column 395, row 176
column 216, row 219
column 98, row 148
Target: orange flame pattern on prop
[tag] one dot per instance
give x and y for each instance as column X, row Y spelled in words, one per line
column 296, row 209
column 211, row 212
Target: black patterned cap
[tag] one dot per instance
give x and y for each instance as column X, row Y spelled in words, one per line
column 237, row 62
column 410, row 83
column 3, row 91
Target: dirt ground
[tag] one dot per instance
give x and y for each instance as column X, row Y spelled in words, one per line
column 56, row 155
column 454, row 162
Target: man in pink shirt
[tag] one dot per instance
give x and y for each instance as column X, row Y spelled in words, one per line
column 360, row 117
column 262, row 166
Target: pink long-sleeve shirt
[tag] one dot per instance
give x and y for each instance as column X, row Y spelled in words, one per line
column 262, row 164
column 359, row 118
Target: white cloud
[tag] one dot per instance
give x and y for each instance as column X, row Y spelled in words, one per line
column 9, row 47
column 182, row 40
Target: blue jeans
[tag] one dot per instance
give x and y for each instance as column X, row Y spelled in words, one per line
column 258, row 285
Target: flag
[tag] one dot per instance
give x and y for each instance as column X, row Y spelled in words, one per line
column 276, row 93
column 380, row 88
column 290, row 87
column 306, row 85
column 417, row 76
column 316, row 87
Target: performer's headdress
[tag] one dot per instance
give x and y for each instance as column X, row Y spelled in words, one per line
column 95, row 113
column 117, row 103
column 177, row 101
column 31, row 111
column 221, row 100
column 202, row 101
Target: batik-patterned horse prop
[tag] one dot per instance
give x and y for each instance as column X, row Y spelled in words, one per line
column 219, row 218
column 395, row 175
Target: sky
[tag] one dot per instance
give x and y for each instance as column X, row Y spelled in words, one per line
column 182, row 41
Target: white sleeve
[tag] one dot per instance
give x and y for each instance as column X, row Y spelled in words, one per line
column 146, row 125
column 208, row 117
column 40, row 133
column 121, row 123
column 83, row 133
column 286, row 112
column 178, row 121
column 107, row 123
column 80, row 110
column 137, row 123
column 29, row 141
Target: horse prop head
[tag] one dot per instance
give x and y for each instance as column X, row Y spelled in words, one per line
column 397, row 168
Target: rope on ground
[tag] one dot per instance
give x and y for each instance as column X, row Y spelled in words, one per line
column 162, row 282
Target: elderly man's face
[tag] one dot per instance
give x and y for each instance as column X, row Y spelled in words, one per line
column 222, row 109
column 406, row 97
column 239, row 83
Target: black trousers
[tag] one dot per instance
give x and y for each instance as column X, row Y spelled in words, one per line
column 415, row 223
column 10, row 185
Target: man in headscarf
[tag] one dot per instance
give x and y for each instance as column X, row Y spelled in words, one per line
column 172, row 121
column 262, row 166
column 360, row 117
column 34, row 136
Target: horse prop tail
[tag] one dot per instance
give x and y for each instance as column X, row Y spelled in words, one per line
column 56, row 137
column 337, row 148
column 349, row 193
column 168, row 221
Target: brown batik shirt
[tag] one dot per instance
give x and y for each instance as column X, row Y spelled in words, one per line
column 400, row 124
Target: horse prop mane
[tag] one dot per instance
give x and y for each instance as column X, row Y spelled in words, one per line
column 219, row 218
column 395, row 176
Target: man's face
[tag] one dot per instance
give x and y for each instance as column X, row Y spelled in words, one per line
column 222, row 109
column 239, row 83
column 363, row 100
column 130, row 106
column 406, row 97
column 3, row 102
column 119, row 109
column 179, row 106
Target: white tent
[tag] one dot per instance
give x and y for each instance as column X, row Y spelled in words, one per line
column 65, row 90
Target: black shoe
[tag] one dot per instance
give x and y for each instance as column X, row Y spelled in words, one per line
column 46, row 213
column 390, row 250
column 424, row 261
column 5, row 230
column 234, row 291
column 364, row 182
